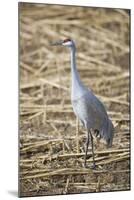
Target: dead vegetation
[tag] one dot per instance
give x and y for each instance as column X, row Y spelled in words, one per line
column 51, row 140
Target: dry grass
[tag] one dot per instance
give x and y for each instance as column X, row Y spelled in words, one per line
column 51, row 139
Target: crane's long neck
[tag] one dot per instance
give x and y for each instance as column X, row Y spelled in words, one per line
column 76, row 82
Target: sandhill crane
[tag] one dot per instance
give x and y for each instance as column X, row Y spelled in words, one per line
column 86, row 106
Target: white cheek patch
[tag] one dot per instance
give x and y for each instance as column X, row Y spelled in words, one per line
column 69, row 43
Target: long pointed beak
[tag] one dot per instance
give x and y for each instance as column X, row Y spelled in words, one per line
column 56, row 43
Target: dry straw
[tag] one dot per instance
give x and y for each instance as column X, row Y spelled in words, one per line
column 51, row 139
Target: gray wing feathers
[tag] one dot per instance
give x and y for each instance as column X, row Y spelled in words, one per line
column 93, row 114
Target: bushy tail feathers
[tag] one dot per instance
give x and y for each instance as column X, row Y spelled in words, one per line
column 107, row 132
column 110, row 131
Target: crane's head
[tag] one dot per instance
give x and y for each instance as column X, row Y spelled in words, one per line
column 67, row 42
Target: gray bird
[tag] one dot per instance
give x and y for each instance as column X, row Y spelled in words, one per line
column 87, row 107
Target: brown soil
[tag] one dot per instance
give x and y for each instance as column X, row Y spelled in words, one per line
column 51, row 142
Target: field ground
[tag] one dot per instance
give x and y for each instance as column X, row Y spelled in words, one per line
column 51, row 140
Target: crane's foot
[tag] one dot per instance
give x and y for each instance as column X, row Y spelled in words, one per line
column 85, row 164
column 93, row 166
column 90, row 167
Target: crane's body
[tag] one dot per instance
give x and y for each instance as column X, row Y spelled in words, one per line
column 87, row 107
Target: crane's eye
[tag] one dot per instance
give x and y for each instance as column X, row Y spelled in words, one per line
column 67, row 40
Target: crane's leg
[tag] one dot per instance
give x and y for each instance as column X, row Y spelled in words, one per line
column 91, row 137
column 87, row 144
